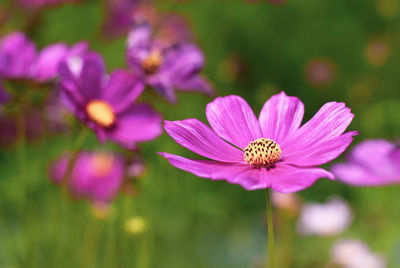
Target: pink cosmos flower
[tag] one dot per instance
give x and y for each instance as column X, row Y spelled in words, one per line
column 271, row 152
column 96, row 176
column 166, row 66
column 106, row 102
column 19, row 58
column 371, row 163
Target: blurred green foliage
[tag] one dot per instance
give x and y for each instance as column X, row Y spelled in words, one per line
column 192, row 222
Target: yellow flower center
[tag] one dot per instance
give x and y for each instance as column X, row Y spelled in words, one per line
column 262, row 153
column 102, row 164
column 101, row 113
column 151, row 64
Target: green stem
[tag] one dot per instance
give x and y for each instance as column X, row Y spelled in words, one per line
column 270, row 227
column 74, row 155
column 21, row 141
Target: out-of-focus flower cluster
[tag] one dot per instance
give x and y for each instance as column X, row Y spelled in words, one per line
column 41, row 91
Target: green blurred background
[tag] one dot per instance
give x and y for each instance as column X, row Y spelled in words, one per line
column 253, row 50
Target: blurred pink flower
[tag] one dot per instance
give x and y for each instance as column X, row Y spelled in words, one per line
column 106, row 103
column 20, row 60
column 349, row 253
column 136, row 167
column 327, row 219
column 165, row 66
column 371, row 163
column 119, row 17
column 96, row 176
column 377, row 52
column 320, row 72
column 271, row 152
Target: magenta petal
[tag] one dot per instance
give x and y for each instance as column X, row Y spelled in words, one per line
column 92, row 73
column 138, row 46
column 371, row 163
column 320, row 138
column 374, row 155
column 289, row 179
column 136, row 124
column 196, row 83
column 17, row 56
column 199, row 138
column 233, row 120
column 321, row 154
column 358, row 176
column 281, row 116
column 163, row 86
column 122, row 90
column 48, row 60
column 236, row 173
column 329, row 122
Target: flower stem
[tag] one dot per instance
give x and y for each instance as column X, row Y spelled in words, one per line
column 74, row 155
column 270, row 227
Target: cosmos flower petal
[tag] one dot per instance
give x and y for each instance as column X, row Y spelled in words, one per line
column 233, row 120
column 96, row 176
column 236, row 173
column 138, row 46
column 322, row 153
column 196, row 83
column 48, row 61
column 281, row 116
column 17, row 56
column 163, row 87
column 373, row 154
column 122, row 90
column 371, row 163
column 320, row 134
column 395, row 157
column 358, row 176
column 138, row 123
column 329, row 122
column 199, row 138
column 184, row 61
column 289, row 179
column 92, row 73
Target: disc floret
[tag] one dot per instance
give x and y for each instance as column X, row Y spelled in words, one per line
column 262, row 153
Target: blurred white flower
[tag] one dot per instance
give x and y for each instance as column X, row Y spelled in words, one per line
column 355, row 254
column 327, row 219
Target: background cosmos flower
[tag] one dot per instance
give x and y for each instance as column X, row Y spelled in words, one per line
column 351, row 253
column 327, row 219
column 371, row 163
column 271, row 152
column 165, row 66
column 19, row 58
column 96, row 176
column 105, row 103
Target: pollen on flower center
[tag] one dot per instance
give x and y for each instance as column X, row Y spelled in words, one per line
column 262, row 153
column 101, row 113
column 151, row 64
